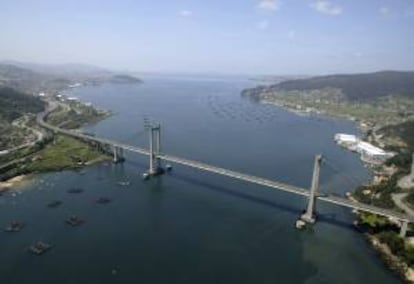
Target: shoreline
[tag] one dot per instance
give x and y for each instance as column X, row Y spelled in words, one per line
column 303, row 112
column 15, row 180
column 391, row 261
column 11, row 183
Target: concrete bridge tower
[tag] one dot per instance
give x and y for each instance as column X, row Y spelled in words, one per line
column 309, row 215
column 155, row 167
column 118, row 154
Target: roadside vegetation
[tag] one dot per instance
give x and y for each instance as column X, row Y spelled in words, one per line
column 50, row 152
column 398, row 246
column 378, row 194
column 64, row 153
column 15, row 105
column 61, row 153
column 398, row 252
column 75, row 115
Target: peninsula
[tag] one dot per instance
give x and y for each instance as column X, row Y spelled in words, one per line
column 25, row 90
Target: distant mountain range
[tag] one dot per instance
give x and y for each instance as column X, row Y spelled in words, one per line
column 354, row 86
column 34, row 78
column 66, row 70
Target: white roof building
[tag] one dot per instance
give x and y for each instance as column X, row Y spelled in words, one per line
column 369, row 149
column 369, row 153
column 346, row 138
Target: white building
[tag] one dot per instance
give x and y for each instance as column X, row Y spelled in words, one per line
column 369, row 153
column 347, row 140
column 369, row 149
column 372, row 154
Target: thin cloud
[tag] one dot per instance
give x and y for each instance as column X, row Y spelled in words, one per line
column 384, row 11
column 292, row 34
column 409, row 12
column 358, row 54
column 185, row 13
column 269, row 5
column 326, row 7
column 262, row 25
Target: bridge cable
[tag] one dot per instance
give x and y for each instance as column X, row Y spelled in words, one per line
column 133, row 136
column 350, row 179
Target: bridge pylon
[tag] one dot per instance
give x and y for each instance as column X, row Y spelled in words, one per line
column 309, row 215
column 155, row 166
column 118, row 154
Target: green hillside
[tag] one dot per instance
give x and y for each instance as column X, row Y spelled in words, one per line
column 357, row 86
column 354, row 87
column 14, row 104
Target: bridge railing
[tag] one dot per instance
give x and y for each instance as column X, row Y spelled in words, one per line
column 249, row 178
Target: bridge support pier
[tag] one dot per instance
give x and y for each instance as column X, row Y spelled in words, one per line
column 118, row 154
column 309, row 215
column 404, row 228
column 155, row 167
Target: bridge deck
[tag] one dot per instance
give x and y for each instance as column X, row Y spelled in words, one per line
column 341, row 201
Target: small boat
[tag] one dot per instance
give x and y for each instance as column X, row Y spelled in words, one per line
column 168, row 167
column 54, row 204
column 14, row 226
column 103, row 200
column 39, row 248
column 74, row 221
column 145, row 176
column 75, row 190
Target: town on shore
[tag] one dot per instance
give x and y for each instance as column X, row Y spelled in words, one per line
column 382, row 106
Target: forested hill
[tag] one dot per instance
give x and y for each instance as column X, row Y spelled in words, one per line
column 36, row 78
column 356, row 86
column 14, row 104
column 122, row 79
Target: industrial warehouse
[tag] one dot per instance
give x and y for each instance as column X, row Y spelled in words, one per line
column 369, row 153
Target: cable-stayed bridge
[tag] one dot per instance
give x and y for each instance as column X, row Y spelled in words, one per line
column 155, row 168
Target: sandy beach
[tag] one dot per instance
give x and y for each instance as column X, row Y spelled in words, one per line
column 7, row 185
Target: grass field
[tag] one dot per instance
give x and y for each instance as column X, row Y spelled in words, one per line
column 75, row 115
column 64, row 153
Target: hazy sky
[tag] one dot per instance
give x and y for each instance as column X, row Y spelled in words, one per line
column 225, row 36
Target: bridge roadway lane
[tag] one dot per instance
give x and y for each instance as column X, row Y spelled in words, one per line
column 341, row 201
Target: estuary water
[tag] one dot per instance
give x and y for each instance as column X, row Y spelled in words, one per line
column 189, row 226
